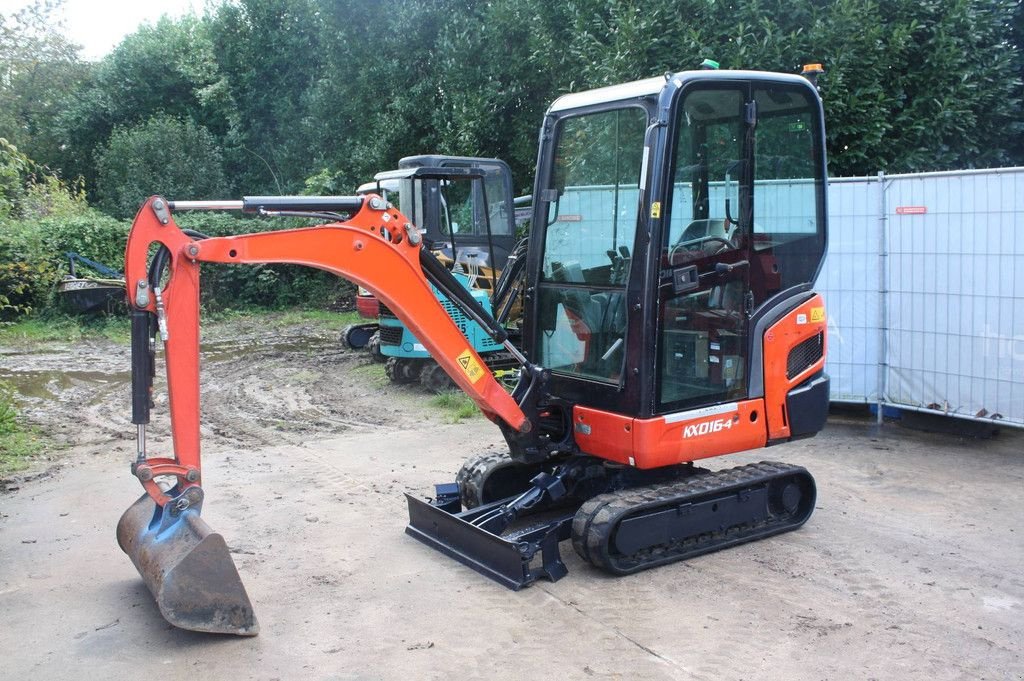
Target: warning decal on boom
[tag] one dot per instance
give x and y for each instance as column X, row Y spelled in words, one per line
column 469, row 364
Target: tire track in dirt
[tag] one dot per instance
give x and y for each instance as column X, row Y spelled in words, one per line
column 258, row 387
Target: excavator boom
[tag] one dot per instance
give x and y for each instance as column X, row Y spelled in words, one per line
column 377, row 248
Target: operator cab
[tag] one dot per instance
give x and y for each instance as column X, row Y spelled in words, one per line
column 457, row 213
column 673, row 218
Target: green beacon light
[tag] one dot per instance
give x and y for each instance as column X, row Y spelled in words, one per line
column 709, row 65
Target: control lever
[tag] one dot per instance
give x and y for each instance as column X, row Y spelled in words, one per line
column 727, row 268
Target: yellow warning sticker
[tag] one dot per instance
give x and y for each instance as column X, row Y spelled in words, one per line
column 656, row 209
column 469, row 364
column 817, row 314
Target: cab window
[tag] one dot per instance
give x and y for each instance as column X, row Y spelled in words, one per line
column 591, row 227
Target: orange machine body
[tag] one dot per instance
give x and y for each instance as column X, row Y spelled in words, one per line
column 714, row 430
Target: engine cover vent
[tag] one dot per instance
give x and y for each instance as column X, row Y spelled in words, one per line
column 804, row 354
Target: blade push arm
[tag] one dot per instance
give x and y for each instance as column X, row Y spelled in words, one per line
column 377, row 248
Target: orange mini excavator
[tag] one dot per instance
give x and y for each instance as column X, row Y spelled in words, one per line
column 678, row 227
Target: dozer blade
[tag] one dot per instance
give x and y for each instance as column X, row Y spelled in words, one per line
column 188, row 569
column 514, row 559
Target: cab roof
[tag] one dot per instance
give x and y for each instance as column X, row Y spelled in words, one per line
column 612, row 93
column 653, row 86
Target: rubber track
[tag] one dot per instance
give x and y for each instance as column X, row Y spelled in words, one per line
column 478, row 469
column 475, row 471
column 595, row 522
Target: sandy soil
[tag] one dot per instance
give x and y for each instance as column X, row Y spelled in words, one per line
column 910, row 567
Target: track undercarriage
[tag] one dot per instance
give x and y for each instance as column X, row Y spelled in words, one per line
column 620, row 519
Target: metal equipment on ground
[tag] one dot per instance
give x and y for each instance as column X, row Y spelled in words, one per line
column 85, row 293
column 678, row 227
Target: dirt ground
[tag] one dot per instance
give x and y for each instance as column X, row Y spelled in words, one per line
column 910, row 568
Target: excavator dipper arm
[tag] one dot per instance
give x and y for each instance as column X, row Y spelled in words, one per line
column 378, row 249
column 187, row 566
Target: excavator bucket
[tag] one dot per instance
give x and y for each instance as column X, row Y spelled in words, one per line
column 188, row 569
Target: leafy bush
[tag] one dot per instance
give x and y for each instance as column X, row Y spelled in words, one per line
column 49, row 196
column 8, row 412
column 273, row 286
column 41, row 217
column 89, row 233
column 30, row 190
column 174, row 158
column 92, row 234
column 32, row 255
column 12, row 180
column 24, row 287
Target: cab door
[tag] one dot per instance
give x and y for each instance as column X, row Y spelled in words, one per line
column 743, row 233
column 704, row 296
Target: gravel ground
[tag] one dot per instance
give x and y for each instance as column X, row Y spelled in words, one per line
column 910, row 567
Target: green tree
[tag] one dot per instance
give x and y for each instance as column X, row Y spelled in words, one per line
column 39, row 68
column 291, row 89
column 167, row 156
column 374, row 100
column 163, row 69
column 501, row 65
column 29, row 190
column 436, row 76
column 272, row 53
column 911, row 85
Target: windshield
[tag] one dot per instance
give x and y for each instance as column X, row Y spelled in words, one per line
column 590, row 232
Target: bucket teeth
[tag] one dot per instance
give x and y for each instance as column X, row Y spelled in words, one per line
column 187, row 568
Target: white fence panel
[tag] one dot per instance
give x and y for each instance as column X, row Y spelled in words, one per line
column 948, row 331
column 850, row 282
column 956, row 301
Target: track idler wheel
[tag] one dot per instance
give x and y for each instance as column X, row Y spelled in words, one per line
column 403, row 371
column 357, row 336
column 186, row 566
column 434, row 378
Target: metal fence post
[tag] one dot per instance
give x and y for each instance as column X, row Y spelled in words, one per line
column 883, row 293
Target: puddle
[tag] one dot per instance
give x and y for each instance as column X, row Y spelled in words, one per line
column 49, row 373
column 233, row 348
column 49, row 385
